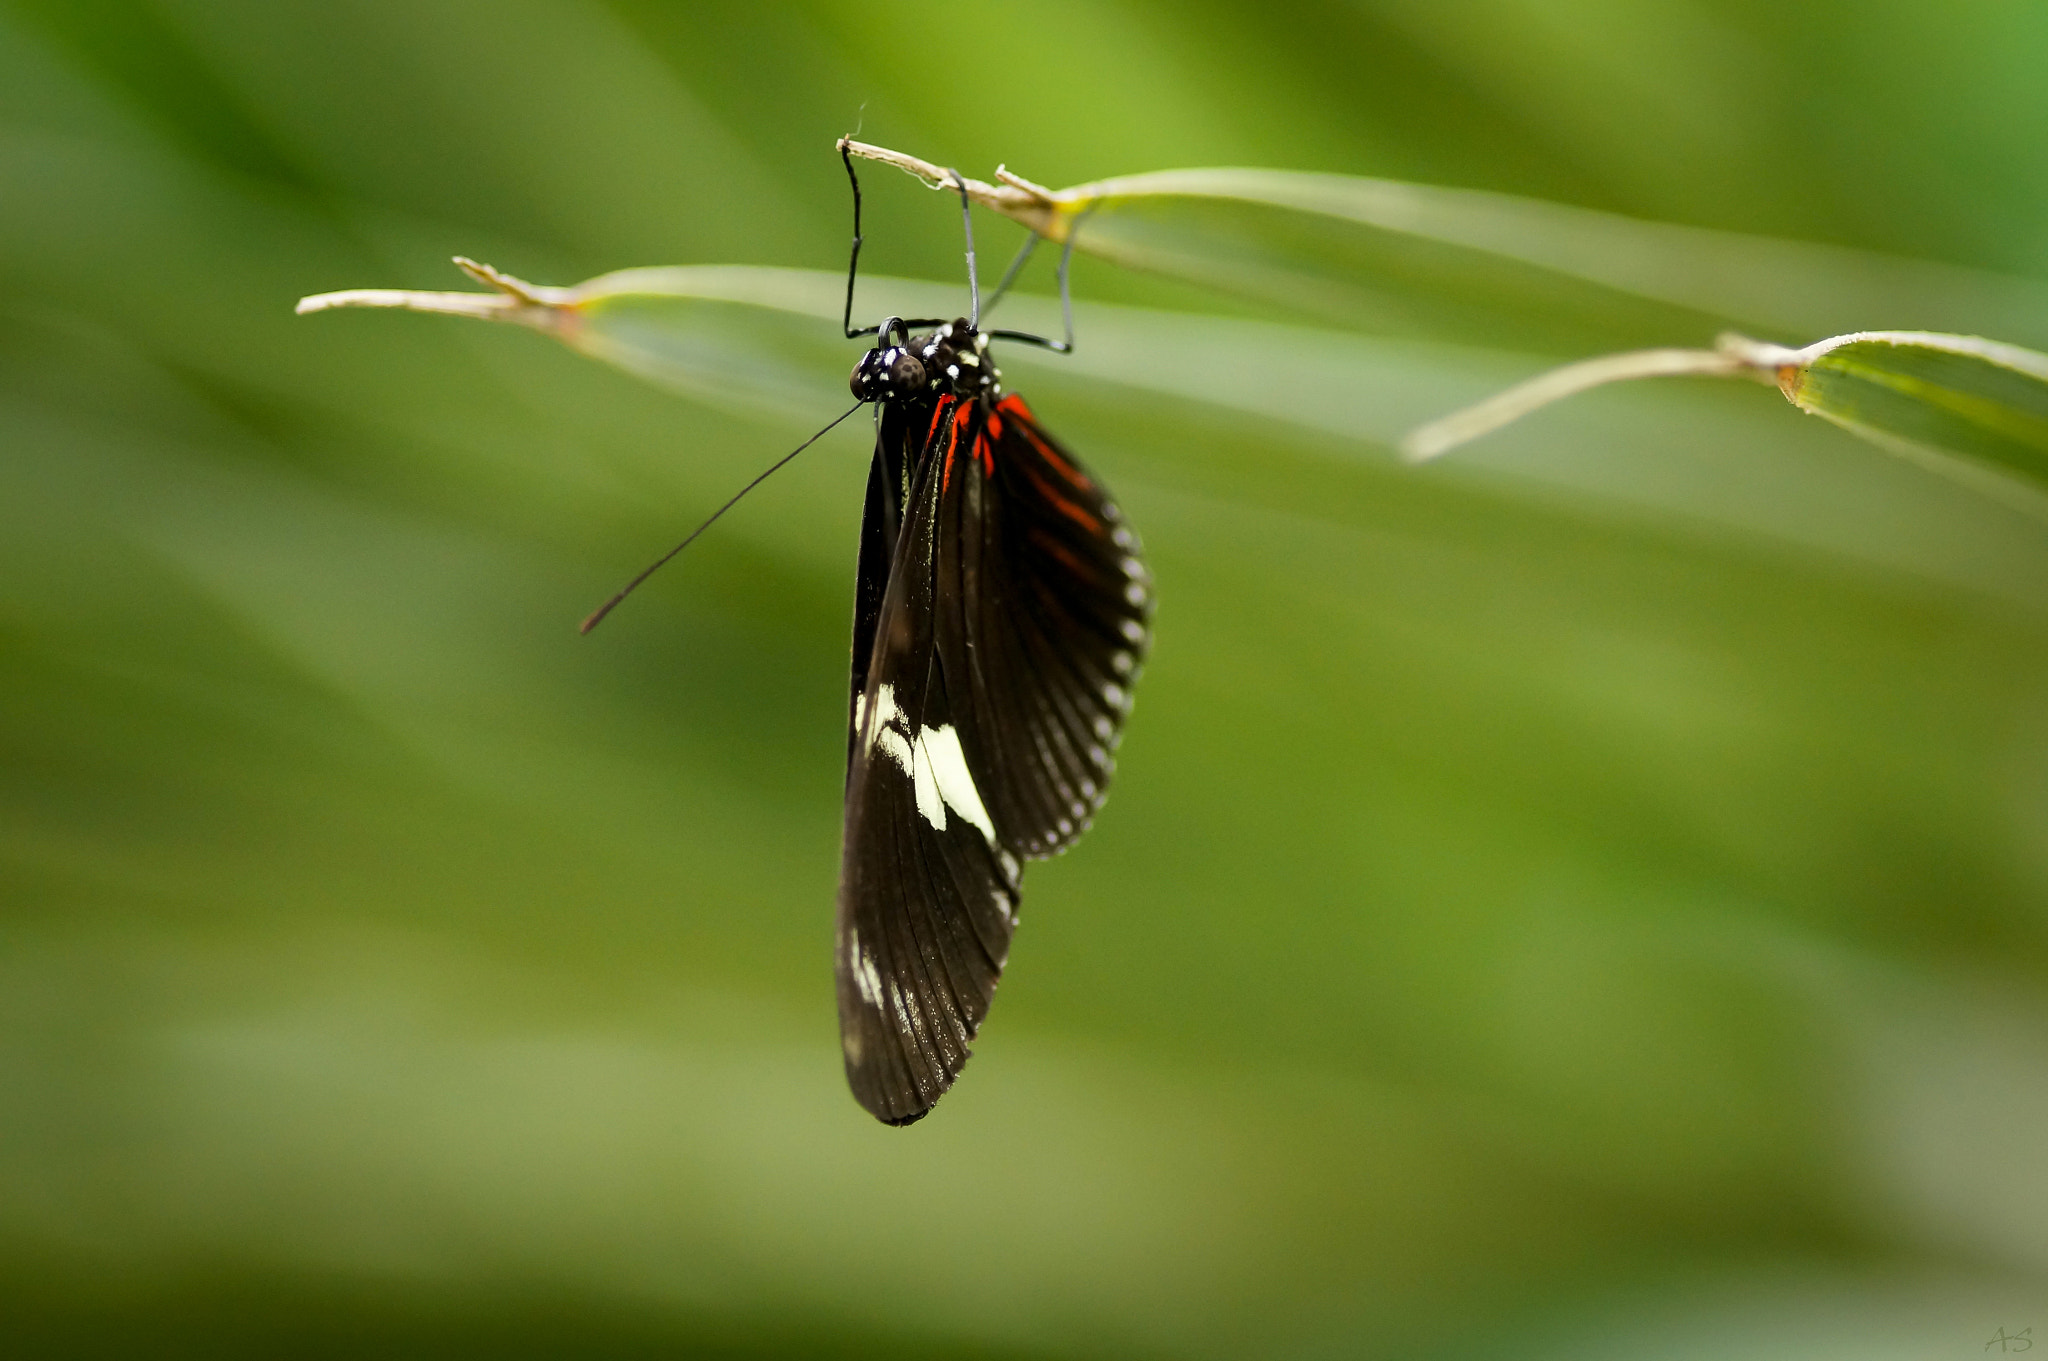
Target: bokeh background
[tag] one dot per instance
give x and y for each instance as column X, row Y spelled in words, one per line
column 1583, row 899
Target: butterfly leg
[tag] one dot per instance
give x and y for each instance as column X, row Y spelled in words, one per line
column 967, row 225
column 1016, row 267
column 853, row 263
column 1066, row 298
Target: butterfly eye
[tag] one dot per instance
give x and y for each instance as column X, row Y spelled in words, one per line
column 869, row 380
column 907, row 373
column 882, row 374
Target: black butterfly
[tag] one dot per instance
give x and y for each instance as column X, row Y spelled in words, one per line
column 1001, row 614
column 1000, row 617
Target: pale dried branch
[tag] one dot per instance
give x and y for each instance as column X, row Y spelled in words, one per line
column 1732, row 356
column 1038, row 208
column 512, row 299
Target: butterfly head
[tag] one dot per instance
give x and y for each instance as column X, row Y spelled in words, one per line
column 950, row 361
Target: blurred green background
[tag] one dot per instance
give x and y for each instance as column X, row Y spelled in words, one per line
column 1583, row 899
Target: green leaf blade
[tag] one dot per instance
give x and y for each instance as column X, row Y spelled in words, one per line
column 1962, row 395
column 1468, row 243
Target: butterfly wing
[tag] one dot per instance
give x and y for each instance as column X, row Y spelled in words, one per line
column 1047, row 617
column 927, row 893
column 881, row 526
column 996, row 680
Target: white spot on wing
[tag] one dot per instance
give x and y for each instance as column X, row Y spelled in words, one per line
column 941, row 753
column 866, row 977
column 885, row 714
column 931, row 804
column 934, row 761
column 895, row 745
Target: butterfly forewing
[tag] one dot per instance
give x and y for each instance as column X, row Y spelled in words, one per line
column 927, row 894
column 991, row 684
column 880, row 529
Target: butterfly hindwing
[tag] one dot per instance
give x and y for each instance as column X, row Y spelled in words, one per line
column 1045, row 605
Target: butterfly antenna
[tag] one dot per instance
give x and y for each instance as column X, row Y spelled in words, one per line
column 597, row 616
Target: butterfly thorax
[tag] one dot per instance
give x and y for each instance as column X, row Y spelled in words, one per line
column 951, row 361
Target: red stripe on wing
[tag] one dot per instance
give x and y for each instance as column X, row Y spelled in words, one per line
column 1029, row 424
column 1077, row 514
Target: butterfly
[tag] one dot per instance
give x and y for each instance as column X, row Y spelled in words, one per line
column 1002, row 612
